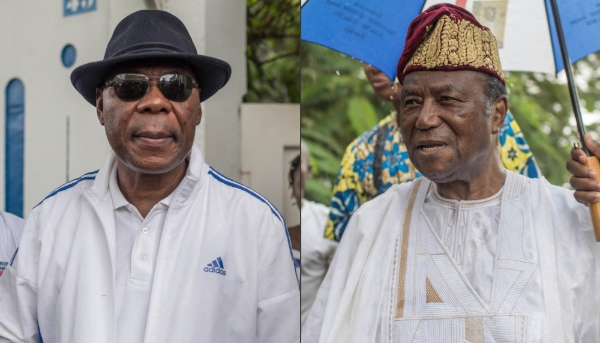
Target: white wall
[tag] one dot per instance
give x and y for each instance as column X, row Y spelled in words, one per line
column 222, row 115
column 33, row 36
column 270, row 140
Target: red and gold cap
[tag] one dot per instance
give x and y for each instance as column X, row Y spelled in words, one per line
column 448, row 38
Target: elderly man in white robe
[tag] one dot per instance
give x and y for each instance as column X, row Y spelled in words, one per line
column 470, row 252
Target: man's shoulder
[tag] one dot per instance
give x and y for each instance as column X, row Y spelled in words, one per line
column 396, row 195
column 316, row 207
column 66, row 191
column 238, row 196
column 539, row 191
column 314, row 219
column 557, row 194
column 13, row 222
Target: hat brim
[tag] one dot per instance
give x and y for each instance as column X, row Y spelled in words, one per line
column 211, row 73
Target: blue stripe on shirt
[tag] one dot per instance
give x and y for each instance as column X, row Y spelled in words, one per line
column 224, row 179
column 229, row 182
column 86, row 176
column 13, row 256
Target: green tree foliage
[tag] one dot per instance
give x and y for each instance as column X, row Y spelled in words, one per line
column 338, row 104
column 542, row 106
column 335, row 92
column 273, row 51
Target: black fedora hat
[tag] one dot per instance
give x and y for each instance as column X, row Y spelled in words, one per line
column 151, row 34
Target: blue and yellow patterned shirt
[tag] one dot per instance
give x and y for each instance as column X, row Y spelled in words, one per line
column 378, row 159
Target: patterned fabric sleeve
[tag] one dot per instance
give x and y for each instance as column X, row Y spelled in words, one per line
column 348, row 195
column 515, row 154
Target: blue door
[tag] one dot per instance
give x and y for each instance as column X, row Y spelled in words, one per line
column 15, row 137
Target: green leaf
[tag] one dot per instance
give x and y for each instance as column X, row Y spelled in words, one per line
column 326, row 162
column 361, row 114
column 317, row 192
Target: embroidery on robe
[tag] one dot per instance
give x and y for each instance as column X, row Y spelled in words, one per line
column 436, row 303
column 485, row 329
column 513, row 276
column 515, row 265
column 432, row 294
column 434, row 264
column 404, row 248
column 516, row 186
column 474, row 330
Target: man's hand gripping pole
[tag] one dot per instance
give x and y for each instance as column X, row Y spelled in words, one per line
column 593, row 163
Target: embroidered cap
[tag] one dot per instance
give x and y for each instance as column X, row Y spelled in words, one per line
column 448, row 38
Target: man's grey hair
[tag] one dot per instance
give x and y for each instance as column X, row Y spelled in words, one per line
column 494, row 89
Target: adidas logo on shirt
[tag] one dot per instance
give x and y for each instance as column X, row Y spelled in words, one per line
column 215, row 267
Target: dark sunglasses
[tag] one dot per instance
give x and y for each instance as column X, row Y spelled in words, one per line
column 175, row 87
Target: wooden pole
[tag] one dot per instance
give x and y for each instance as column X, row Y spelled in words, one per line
column 592, row 160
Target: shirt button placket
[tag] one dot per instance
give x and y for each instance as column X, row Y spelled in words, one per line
column 145, row 231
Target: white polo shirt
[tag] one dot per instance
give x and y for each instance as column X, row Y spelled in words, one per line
column 137, row 241
column 223, row 272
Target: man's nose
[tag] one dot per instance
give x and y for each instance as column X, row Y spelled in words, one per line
column 428, row 116
column 154, row 101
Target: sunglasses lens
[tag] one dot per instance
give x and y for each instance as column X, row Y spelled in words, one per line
column 176, row 87
column 130, row 86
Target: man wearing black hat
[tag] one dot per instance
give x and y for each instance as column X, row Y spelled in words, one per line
column 156, row 246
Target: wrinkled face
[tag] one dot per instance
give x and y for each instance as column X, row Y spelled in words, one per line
column 151, row 135
column 383, row 86
column 444, row 124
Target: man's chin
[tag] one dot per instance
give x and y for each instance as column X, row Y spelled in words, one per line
column 153, row 166
column 437, row 175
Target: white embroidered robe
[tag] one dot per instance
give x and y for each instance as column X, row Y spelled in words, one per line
column 394, row 279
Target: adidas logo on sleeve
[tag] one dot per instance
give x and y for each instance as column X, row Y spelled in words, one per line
column 216, row 266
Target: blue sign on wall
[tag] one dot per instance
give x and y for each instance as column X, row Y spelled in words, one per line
column 71, row 7
column 68, row 55
column 15, row 152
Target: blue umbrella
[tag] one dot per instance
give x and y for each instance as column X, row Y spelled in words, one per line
column 374, row 31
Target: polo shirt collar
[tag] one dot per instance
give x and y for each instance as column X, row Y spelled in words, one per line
column 192, row 182
column 118, row 198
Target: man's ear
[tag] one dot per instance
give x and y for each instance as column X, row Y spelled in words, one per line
column 199, row 115
column 100, row 106
column 499, row 114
